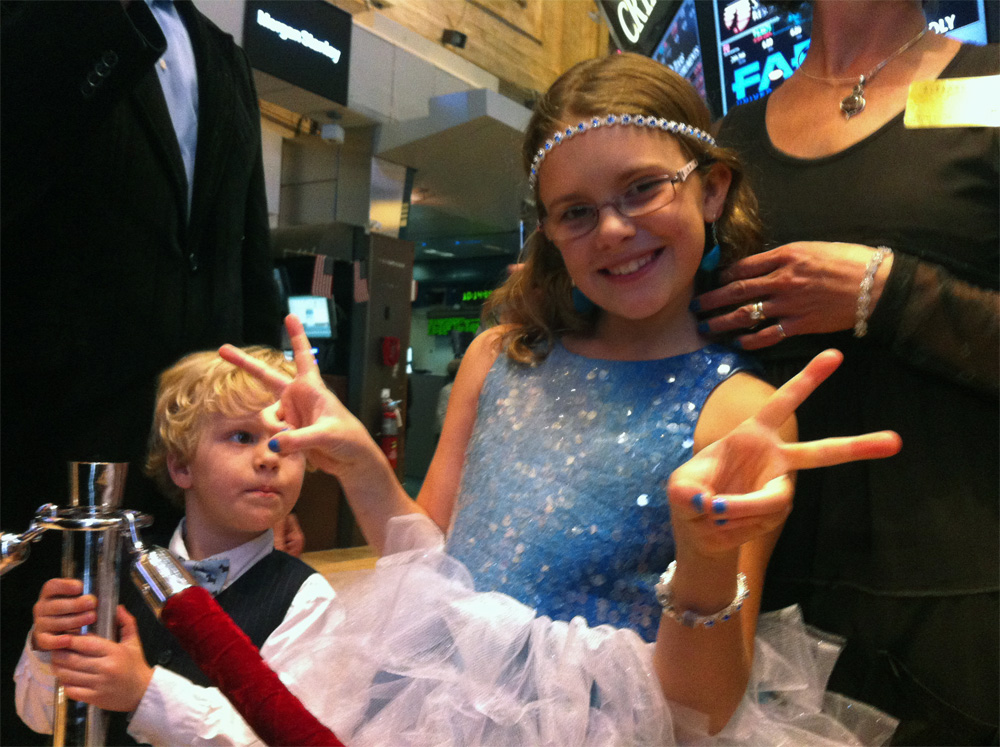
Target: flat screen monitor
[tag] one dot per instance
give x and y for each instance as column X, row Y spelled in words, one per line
column 964, row 20
column 758, row 46
column 680, row 47
column 314, row 313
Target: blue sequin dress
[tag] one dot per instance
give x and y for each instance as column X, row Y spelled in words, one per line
column 531, row 625
column 563, row 501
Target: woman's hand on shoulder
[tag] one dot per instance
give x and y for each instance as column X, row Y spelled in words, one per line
column 739, row 487
column 806, row 287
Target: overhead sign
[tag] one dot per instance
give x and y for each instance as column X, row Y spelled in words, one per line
column 636, row 25
column 447, row 325
column 306, row 43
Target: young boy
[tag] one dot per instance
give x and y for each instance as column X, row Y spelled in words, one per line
column 209, row 450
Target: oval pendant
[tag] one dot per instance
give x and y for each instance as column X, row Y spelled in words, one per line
column 854, row 103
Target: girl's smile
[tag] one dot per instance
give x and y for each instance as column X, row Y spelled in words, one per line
column 630, row 267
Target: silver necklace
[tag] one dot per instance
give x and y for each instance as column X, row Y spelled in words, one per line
column 854, row 103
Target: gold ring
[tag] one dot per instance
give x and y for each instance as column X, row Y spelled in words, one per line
column 781, row 331
column 757, row 312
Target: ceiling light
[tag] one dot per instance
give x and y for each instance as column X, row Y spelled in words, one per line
column 453, row 38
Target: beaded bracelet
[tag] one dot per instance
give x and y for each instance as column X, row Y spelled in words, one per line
column 865, row 292
column 689, row 618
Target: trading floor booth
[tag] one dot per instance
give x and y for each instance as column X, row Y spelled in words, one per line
column 353, row 290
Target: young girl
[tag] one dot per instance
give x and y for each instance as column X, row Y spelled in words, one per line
column 550, row 482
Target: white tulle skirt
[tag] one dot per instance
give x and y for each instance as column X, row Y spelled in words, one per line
column 417, row 657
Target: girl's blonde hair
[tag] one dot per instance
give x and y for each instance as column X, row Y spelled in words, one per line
column 536, row 299
column 197, row 385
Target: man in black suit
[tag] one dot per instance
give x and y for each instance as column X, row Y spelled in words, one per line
column 127, row 241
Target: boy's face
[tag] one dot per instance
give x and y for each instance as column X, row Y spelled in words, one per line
column 235, row 487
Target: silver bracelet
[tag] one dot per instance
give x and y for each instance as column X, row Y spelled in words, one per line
column 865, row 292
column 689, row 618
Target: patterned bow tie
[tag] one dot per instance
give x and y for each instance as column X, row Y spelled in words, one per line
column 210, row 574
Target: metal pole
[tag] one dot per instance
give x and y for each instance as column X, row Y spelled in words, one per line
column 90, row 553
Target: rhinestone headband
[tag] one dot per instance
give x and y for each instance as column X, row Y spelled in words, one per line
column 636, row 120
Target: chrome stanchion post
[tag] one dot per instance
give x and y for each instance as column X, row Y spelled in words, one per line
column 91, row 554
column 92, row 529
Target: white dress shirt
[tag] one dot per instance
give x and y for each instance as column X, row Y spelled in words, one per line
column 177, row 71
column 174, row 710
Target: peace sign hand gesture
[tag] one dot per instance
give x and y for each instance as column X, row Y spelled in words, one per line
column 739, row 488
column 331, row 437
column 314, row 420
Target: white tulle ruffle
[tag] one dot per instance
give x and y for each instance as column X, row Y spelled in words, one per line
column 419, row 658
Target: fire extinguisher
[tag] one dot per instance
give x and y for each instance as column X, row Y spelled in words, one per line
column 391, row 421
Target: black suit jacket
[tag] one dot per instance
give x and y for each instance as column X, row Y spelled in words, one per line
column 104, row 282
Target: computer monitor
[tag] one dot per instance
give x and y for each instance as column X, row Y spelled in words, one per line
column 680, row 47
column 758, row 47
column 314, row 313
column 964, row 20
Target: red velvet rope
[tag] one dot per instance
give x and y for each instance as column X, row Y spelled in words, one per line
column 233, row 664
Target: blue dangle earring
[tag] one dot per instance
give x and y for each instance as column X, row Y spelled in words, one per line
column 581, row 303
column 705, row 279
column 710, row 261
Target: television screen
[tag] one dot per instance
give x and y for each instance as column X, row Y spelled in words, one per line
column 314, row 313
column 961, row 19
column 758, row 46
column 680, row 47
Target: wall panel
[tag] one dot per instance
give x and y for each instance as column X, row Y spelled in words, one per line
column 527, row 43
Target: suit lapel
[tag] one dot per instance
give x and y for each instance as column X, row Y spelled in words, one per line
column 217, row 105
column 151, row 107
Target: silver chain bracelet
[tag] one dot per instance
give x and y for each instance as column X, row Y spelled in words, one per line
column 865, row 292
column 689, row 618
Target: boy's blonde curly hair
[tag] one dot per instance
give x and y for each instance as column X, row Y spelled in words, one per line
column 197, row 385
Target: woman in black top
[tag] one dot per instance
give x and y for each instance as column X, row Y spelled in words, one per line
column 901, row 556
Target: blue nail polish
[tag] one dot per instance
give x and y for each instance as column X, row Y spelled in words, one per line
column 695, row 305
column 720, row 522
column 719, row 505
column 273, row 445
column 736, row 344
column 704, row 329
column 698, row 502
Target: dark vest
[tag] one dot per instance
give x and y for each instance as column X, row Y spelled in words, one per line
column 257, row 602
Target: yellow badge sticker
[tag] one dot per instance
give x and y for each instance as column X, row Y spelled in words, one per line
column 954, row 102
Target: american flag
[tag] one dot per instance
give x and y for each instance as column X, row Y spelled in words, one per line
column 322, row 284
column 360, row 284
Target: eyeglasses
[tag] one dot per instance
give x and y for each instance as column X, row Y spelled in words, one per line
column 641, row 198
